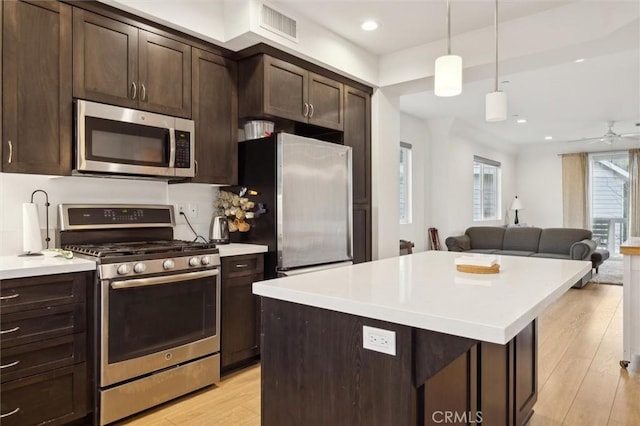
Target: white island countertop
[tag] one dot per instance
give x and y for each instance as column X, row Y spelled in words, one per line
column 424, row 290
column 21, row 267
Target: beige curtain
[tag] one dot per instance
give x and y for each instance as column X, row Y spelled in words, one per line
column 575, row 213
column 634, row 192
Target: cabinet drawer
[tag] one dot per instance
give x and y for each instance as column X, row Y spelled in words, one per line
column 25, row 360
column 30, row 326
column 240, row 266
column 21, row 294
column 56, row 397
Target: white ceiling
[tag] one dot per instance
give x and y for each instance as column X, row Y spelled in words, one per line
column 557, row 96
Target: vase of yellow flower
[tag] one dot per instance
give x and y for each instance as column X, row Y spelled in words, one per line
column 238, row 209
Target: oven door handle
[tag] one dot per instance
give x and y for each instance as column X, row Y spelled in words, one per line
column 165, row 279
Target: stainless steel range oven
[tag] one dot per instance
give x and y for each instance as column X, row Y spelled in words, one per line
column 157, row 305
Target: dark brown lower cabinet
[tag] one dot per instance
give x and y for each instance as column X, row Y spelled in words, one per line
column 240, row 313
column 44, row 354
column 316, row 372
column 361, row 233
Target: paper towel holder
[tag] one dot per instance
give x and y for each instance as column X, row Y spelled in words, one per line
column 47, row 204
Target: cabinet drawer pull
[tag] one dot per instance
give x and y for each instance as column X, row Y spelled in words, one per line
column 143, row 92
column 134, row 90
column 11, row 330
column 310, row 110
column 11, row 364
column 242, row 265
column 305, row 109
column 2, row 416
column 10, row 152
column 13, row 296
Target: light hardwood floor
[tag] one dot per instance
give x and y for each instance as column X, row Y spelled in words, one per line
column 580, row 381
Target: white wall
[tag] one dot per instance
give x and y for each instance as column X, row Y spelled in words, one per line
column 450, row 199
column 416, row 132
column 16, row 189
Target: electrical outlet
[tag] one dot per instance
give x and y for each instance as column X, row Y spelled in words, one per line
column 192, row 210
column 379, row 340
column 180, row 209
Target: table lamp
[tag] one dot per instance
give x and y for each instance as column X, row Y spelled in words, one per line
column 516, row 205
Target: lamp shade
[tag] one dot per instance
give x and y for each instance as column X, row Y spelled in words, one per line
column 516, row 204
column 496, row 106
column 448, row 76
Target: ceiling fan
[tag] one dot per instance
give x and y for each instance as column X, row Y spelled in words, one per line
column 610, row 136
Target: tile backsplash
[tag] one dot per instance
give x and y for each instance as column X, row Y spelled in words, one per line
column 16, row 189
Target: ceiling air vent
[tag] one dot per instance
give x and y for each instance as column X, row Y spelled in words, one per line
column 278, row 23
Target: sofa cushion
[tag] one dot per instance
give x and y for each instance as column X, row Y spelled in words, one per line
column 521, row 239
column 485, row 251
column 486, row 237
column 559, row 240
column 552, row 255
column 514, row 252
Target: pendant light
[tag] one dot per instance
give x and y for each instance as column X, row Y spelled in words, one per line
column 496, row 101
column 448, row 69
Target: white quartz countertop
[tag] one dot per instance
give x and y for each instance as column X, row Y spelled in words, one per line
column 237, row 249
column 425, row 290
column 20, row 267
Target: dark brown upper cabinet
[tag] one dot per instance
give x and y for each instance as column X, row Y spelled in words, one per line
column 357, row 135
column 119, row 64
column 36, row 80
column 271, row 87
column 215, row 112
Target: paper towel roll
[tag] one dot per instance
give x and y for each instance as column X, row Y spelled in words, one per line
column 31, row 237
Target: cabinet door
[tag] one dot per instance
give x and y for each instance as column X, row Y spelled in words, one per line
column 357, row 135
column 105, row 66
column 239, row 320
column 285, row 91
column 325, row 102
column 215, row 113
column 55, row 397
column 526, row 372
column 164, row 74
column 36, row 80
column 361, row 233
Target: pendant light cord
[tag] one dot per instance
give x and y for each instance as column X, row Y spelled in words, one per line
column 496, row 37
column 448, row 27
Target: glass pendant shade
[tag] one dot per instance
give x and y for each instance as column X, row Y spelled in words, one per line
column 496, row 106
column 448, row 76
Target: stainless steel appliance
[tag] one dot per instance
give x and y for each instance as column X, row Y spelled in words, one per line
column 116, row 140
column 219, row 230
column 306, row 186
column 157, row 305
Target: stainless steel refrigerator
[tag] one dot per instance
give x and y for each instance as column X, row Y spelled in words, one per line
column 305, row 185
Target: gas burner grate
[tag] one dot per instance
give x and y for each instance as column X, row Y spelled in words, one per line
column 138, row 248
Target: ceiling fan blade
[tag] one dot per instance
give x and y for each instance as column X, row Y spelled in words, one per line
column 599, row 138
column 630, row 135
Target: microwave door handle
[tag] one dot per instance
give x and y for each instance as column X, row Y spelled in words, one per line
column 172, row 148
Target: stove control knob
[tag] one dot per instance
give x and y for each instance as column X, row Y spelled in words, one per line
column 194, row 261
column 205, row 260
column 123, row 269
column 139, row 268
column 168, row 264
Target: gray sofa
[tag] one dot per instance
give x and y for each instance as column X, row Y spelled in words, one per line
column 554, row 243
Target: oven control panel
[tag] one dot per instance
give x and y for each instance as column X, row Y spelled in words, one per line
column 155, row 266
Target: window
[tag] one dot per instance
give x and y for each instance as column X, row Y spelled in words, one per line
column 405, row 183
column 486, row 189
column 609, row 198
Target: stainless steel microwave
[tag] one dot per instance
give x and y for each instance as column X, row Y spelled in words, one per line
column 123, row 141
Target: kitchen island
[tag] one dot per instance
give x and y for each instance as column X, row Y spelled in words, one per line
column 459, row 346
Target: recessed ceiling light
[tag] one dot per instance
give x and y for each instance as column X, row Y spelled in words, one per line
column 548, row 138
column 369, row 25
column 521, row 120
column 579, row 60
